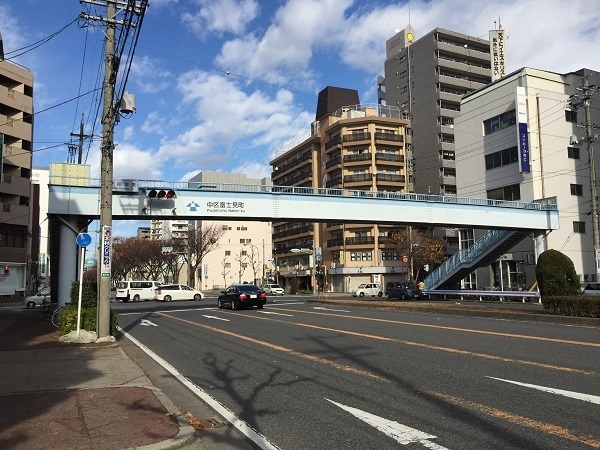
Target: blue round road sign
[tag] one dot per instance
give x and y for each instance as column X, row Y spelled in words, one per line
column 84, row 239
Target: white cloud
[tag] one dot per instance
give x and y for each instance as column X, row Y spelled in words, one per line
column 149, row 76
column 286, row 48
column 229, row 122
column 129, row 162
column 254, row 169
column 220, row 16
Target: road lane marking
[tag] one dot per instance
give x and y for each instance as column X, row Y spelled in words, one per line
column 400, row 433
column 282, row 349
column 215, row 317
column 431, row 347
column 464, row 330
column 576, row 395
column 548, row 428
column 328, row 309
column 225, row 412
column 147, row 323
column 275, row 313
column 520, row 420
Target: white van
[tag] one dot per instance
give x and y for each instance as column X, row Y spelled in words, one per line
column 136, row 290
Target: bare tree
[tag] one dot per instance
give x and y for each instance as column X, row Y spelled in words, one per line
column 225, row 272
column 420, row 247
column 241, row 259
column 254, row 261
column 198, row 243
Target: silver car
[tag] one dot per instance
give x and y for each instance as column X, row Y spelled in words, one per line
column 273, row 289
column 35, row 300
column 591, row 289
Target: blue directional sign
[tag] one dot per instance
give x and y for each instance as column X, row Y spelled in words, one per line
column 84, row 239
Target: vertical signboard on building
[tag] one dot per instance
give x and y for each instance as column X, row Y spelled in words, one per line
column 497, row 49
column 1, row 157
column 106, row 251
column 523, row 132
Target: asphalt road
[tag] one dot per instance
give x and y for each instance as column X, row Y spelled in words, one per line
column 308, row 376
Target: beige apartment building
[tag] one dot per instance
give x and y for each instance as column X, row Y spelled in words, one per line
column 350, row 146
column 18, row 257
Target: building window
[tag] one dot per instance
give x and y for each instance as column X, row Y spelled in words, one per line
column 578, row 227
column 402, row 59
column 512, row 192
column 242, row 228
column 360, row 256
column 570, row 116
column 499, row 122
column 403, row 74
column 403, row 89
column 501, row 158
column 390, row 256
column 227, row 252
column 577, row 189
column 227, row 265
column 573, row 152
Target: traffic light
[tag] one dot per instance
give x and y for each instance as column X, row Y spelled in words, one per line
column 6, row 269
column 161, row 194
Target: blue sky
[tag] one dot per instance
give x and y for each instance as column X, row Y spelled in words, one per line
column 222, row 84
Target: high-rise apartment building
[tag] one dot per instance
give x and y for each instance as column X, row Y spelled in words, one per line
column 16, row 138
column 427, row 78
column 349, row 146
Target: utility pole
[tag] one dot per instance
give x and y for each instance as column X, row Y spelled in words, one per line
column 111, row 68
column 584, row 97
column 81, row 137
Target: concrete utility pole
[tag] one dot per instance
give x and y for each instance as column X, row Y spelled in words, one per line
column 575, row 101
column 81, row 137
column 111, row 68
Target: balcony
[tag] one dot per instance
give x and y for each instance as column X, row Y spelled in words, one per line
column 333, row 162
column 333, row 142
column 293, row 232
column 388, row 137
column 360, row 157
column 335, row 242
column 359, row 178
column 305, row 158
column 389, row 157
column 337, row 181
column 362, row 240
column 357, row 138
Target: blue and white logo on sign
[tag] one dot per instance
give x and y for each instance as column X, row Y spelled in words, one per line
column 83, row 239
column 193, row 206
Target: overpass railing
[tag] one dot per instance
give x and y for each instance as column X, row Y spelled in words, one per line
column 548, row 204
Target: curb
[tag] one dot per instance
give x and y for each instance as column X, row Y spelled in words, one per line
column 186, row 434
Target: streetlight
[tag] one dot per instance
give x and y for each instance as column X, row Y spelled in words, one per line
column 308, row 251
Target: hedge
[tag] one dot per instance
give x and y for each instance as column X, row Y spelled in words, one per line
column 89, row 300
column 572, row 306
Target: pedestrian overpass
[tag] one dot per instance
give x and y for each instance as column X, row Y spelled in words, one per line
column 75, row 204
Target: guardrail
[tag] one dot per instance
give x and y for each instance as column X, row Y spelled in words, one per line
column 480, row 295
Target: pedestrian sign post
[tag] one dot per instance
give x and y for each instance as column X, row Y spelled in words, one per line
column 83, row 240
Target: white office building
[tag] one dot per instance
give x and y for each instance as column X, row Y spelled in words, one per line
column 513, row 143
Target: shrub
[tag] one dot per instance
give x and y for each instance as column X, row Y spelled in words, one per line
column 572, row 305
column 68, row 320
column 89, row 294
column 555, row 274
column 294, row 286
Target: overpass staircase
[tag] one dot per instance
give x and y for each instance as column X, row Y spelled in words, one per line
column 485, row 251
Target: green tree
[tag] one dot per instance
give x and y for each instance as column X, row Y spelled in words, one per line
column 555, row 274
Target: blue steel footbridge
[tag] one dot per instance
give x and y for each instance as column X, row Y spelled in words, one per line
column 77, row 202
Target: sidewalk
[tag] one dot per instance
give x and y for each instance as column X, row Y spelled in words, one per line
column 57, row 395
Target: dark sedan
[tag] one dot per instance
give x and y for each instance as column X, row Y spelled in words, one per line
column 242, row 296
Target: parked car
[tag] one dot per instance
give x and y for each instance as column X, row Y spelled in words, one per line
column 401, row 290
column 273, row 289
column 368, row 289
column 239, row 296
column 136, row 290
column 591, row 289
column 170, row 292
column 35, row 300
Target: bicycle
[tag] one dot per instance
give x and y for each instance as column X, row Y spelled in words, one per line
column 55, row 318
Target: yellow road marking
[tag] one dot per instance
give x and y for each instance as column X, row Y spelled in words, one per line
column 485, row 409
column 516, row 419
column 442, row 327
column 281, row 348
